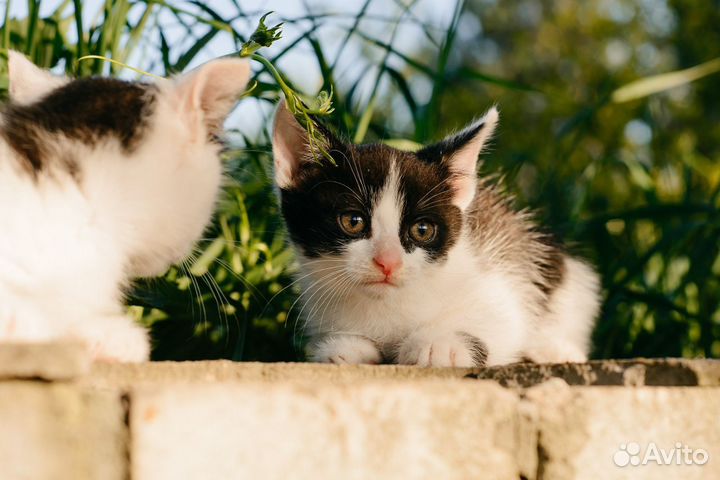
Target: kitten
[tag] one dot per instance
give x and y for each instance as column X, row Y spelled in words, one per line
column 410, row 258
column 102, row 180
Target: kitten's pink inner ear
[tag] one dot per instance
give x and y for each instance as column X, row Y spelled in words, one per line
column 27, row 82
column 209, row 93
column 290, row 146
column 463, row 162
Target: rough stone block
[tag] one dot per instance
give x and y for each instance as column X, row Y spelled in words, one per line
column 636, row 372
column 59, row 431
column 449, row 429
column 113, row 375
column 626, row 433
column 45, row 361
column 640, row 372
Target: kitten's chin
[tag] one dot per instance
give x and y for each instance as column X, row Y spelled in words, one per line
column 380, row 288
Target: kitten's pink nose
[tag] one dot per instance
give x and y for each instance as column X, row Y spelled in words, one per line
column 388, row 262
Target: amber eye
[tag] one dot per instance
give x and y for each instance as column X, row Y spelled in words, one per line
column 352, row 223
column 423, row 231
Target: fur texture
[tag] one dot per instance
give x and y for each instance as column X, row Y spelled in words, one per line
column 101, row 181
column 411, row 258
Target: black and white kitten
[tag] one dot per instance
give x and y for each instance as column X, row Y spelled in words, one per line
column 410, row 258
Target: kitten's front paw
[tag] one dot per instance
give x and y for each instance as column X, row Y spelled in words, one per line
column 345, row 349
column 446, row 350
column 117, row 339
column 557, row 352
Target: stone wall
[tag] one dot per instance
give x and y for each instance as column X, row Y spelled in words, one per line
column 62, row 417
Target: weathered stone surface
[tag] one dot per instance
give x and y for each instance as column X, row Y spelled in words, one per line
column 412, row 430
column 126, row 375
column 650, row 372
column 637, row 372
column 60, row 431
column 584, row 432
column 45, row 361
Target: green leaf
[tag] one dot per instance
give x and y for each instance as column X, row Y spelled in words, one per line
column 658, row 83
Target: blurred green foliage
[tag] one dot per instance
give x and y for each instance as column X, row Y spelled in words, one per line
column 629, row 177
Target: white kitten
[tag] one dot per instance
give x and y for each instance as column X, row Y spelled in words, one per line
column 410, row 258
column 102, row 180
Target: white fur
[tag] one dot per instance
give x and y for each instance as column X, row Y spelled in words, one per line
column 575, row 305
column 347, row 349
column 69, row 247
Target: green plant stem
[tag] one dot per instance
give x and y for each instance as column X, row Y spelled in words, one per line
column 299, row 109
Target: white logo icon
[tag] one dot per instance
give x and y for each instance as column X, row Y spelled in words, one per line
column 628, row 454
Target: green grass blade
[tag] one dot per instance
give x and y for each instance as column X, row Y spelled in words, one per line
column 659, row 83
column 6, row 26
column 136, row 33
column 401, row 83
column 33, row 18
column 410, row 61
column 364, row 122
column 426, row 129
column 468, row 72
column 192, row 52
column 349, row 33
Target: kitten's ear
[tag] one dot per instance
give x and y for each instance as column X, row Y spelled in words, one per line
column 460, row 152
column 28, row 82
column 209, row 93
column 291, row 145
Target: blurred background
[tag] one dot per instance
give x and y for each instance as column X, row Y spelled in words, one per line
column 610, row 129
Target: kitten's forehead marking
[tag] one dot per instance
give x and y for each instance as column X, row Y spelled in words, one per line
column 387, row 211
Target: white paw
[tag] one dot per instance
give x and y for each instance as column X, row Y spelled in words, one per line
column 117, row 339
column 345, row 349
column 446, row 350
column 557, row 352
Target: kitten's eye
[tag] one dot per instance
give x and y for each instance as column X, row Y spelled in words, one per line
column 352, row 223
column 423, row 231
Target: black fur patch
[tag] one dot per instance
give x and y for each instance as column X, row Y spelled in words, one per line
column 428, row 196
column 322, row 191
column 433, row 153
column 86, row 110
column 477, row 348
column 552, row 265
